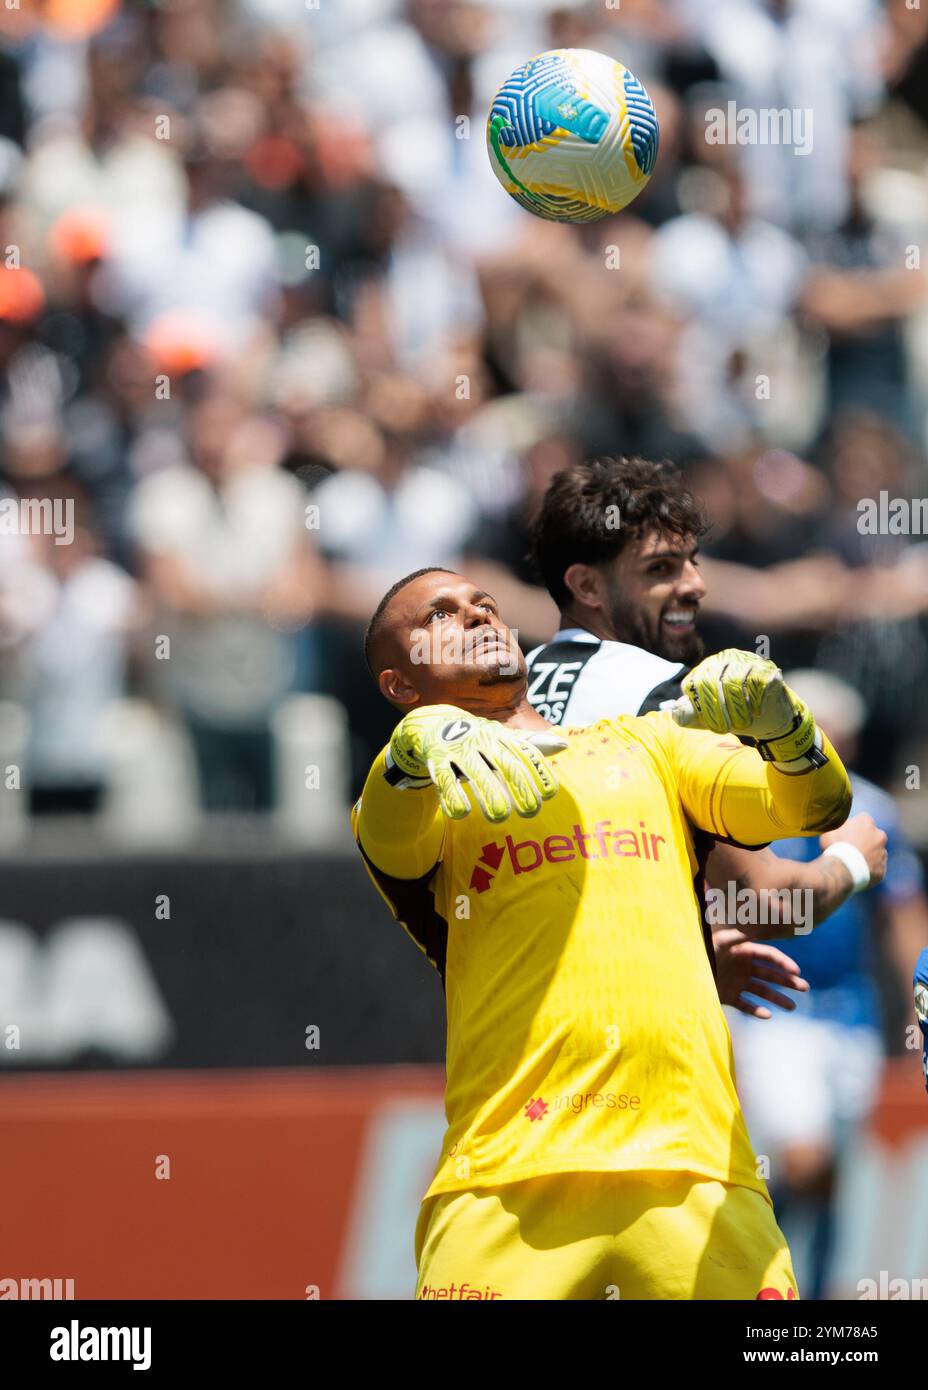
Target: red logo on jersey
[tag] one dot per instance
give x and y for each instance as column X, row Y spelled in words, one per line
column 491, row 856
column 774, row 1293
column 536, row 1109
column 602, row 842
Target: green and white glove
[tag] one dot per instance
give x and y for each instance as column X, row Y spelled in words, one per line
column 444, row 746
column 740, row 693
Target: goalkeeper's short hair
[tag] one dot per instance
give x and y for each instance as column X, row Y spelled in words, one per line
column 375, row 626
column 575, row 525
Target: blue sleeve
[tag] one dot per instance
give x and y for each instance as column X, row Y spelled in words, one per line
column 920, row 982
column 904, row 874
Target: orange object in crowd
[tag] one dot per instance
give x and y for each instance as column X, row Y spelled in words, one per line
column 79, row 236
column 179, row 342
column 22, row 297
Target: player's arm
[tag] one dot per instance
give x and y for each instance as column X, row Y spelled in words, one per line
column 797, row 786
column 400, row 835
column 831, row 878
column 729, row 792
column 854, row 859
column 418, row 782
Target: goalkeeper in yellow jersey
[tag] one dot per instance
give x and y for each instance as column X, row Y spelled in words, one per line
column 595, row 1145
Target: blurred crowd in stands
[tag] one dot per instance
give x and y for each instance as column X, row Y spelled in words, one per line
column 272, row 331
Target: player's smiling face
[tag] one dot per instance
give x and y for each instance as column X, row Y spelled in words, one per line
column 450, row 642
column 653, row 593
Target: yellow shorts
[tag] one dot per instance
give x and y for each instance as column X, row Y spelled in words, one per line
column 602, row 1236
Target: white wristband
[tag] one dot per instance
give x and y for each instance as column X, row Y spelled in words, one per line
column 854, row 861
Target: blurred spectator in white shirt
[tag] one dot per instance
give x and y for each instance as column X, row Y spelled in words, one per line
column 863, row 285
column 817, row 57
column 69, row 615
column 733, row 280
column 225, row 548
column 212, row 258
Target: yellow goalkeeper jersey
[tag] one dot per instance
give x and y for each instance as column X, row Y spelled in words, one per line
column 584, row 1025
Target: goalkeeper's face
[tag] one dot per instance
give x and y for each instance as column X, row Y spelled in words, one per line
column 445, row 643
column 652, row 596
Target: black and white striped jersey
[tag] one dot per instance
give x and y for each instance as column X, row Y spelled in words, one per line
column 578, row 679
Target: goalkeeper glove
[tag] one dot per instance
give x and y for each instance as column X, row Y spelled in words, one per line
column 740, row 693
column 445, row 746
column 921, row 1005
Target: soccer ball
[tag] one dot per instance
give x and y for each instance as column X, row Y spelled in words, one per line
column 572, row 135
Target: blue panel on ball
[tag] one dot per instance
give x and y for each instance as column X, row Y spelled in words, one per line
column 642, row 120
column 560, row 104
column 541, row 98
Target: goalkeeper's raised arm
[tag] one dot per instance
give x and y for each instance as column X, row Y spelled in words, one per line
column 799, row 788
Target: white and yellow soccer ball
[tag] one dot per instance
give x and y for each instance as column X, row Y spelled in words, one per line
column 572, row 135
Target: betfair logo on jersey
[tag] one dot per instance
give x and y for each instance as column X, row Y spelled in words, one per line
column 601, row 843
